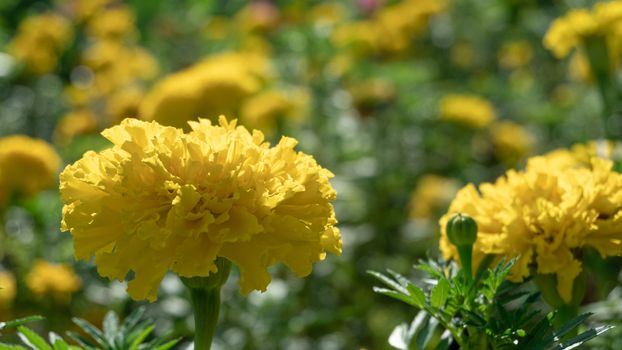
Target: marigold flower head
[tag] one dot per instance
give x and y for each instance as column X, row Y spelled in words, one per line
column 40, row 40
column 58, row 281
column 161, row 199
column 8, row 289
column 469, row 110
column 74, row 124
column 576, row 26
column 27, row 165
column 217, row 85
column 511, row 141
column 432, row 194
column 112, row 23
column 266, row 110
column 545, row 214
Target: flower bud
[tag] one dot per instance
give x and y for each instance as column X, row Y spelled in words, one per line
column 462, row 230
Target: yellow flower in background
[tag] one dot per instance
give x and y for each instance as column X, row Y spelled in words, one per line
column 112, row 23
column 217, row 85
column 511, row 141
column 579, row 67
column 516, row 54
column 327, row 13
column 578, row 25
column 83, row 10
column 58, row 281
column 371, row 94
column 124, row 104
column 8, row 289
column 161, row 199
column 265, row 111
column 469, row 110
column 27, row 165
column 433, row 193
column 544, row 215
column 391, row 29
column 257, row 16
column 40, row 40
column 74, row 124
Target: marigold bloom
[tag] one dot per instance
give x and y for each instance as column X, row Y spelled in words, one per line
column 40, row 40
column 8, row 289
column 576, row 26
column 469, row 110
column 112, row 23
column 76, row 123
column 161, row 199
column 511, row 141
column 266, row 110
column 27, row 165
column 545, row 214
column 58, row 281
column 432, row 194
column 217, row 85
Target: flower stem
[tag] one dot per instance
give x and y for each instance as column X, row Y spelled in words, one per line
column 205, row 294
column 206, row 304
column 466, row 253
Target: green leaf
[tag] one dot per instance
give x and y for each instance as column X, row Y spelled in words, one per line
column 572, row 343
column 168, row 344
column 140, row 337
column 416, row 295
column 388, row 282
column 439, row 294
column 20, row 321
column 32, row 339
column 80, row 340
column 569, row 326
column 111, row 326
column 399, row 296
column 4, row 346
column 91, row 330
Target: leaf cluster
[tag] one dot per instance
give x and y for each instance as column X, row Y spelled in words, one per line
column 131, row 334
column 485, row 312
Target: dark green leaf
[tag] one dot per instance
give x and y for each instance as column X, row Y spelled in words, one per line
column 439, row 294
column 32, row 339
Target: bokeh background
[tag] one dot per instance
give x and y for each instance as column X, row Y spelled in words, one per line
column 405, row 101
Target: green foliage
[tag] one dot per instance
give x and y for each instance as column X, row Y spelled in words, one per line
column 132, row 334
column 486, row 313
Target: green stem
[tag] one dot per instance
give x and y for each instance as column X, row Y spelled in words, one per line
column 598, row 57
column 206, row 304
column 466, row 254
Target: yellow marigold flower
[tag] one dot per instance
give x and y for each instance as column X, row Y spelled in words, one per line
column 27, row 165
column 433, row 193
column 470, row 110
column 161, row 199
column 578, row 25
column 267, row 110
column 58, row 281
column 8, row 289
column 76, row 123
column 124, row 104
column 217, row 85
column 515, row 54
column 40, row 40
column 83, row 10
column 112, row 23
column 545, row 214
column 511, row 141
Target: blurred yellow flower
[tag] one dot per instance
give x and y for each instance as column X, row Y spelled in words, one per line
column 579, row 67
column 511, row 141
column 257, row 16
column 83, row 10
column 469, row 110
column 217, row 85
column 8, row 289
column 123, row 104
column 433, row 193
column 75, row 123
column 515, row 54
column 267, row 110
column 40, row 40
column 27, row 165
column 578, row 25
column 327, row 13
column 544, row 215
column 161, row 199
column 112, row 23
column 58, row 281
column 371, row 94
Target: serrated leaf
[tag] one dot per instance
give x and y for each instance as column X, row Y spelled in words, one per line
column 140, row 337
column 168, row 344
column 439, row 294
column 572, row 343
column 388, row 282
column 91, row 330
column 20, row 321
column 111, row 326
column 32, row 339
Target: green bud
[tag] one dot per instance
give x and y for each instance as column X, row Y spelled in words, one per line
column 462, row 230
